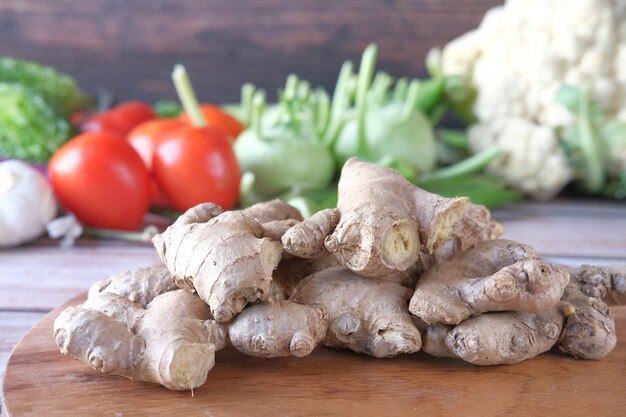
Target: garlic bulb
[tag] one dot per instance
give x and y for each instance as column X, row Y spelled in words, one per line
column 27, row 203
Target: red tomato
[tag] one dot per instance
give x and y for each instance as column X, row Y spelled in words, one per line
column 214, row 116
column 120, row 119
column 197, row 165
column 145, row 138
column 102, row 180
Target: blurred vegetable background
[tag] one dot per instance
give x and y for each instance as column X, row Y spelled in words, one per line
column 489, row 115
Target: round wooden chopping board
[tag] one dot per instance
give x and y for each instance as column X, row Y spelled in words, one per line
column 40, row 381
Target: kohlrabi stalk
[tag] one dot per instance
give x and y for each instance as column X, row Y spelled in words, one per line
column 378, row 94
column 464, row 168
column 453, row 138
column 366, row 72
column 322, row 112
column 247, row 91
column 257, row 110
column 411, row 99
column 481, row 189
column 340, row 104
column 400, row 89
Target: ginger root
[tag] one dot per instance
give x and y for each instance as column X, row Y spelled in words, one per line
column 383, row 224
column 589, row 329
column 496, row 275
column 172, row 342
column 364, row 315
column 226, row 257
column 275, row 285
column 580, row 324
column 140, row 285
column 505, row 337
column 277, row 329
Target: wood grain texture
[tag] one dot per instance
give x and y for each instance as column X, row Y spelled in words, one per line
column 13, row 325
column 574, row 229
column 131, row 45
column 40, row 381
column 40, row 277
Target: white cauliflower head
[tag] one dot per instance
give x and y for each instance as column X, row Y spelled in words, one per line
column 532, row 160
column 521, row 54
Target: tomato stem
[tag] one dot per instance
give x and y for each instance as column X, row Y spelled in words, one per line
column 187, row 96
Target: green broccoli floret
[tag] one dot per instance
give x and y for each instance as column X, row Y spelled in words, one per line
column 60, row 91
column 29, row 128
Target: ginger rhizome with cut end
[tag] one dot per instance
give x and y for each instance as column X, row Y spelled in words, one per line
column 226, row 257
column 276, row 285
column 383, row 224
column 281, row 328
column 497, row 275
column 171, row 342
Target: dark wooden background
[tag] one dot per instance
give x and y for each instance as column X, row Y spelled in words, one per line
column 131, row 45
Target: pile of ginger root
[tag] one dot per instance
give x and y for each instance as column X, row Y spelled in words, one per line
column 391, row 270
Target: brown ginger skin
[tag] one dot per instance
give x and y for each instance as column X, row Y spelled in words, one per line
column 505, row 337
column 383, row 224
column 365, row 315
column 495, row 338
column 139, row 285
column 172, row 342
column 434, row 340
column 587, row 327
column 496, row 275
column 227, row 258
column 606, row 282
column 589, row 330
column 279, row 328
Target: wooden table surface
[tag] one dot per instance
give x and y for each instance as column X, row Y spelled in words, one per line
column 37, row 278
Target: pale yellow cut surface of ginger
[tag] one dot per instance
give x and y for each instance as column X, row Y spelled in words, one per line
column 383, row 224
column 226, row 257
column 280, row 328
column 171, row 342
column 497, row 275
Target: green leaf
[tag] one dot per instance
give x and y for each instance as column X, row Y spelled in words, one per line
column 594, row 174
column 167, row 108
column 454, row 138
column 464, row 168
